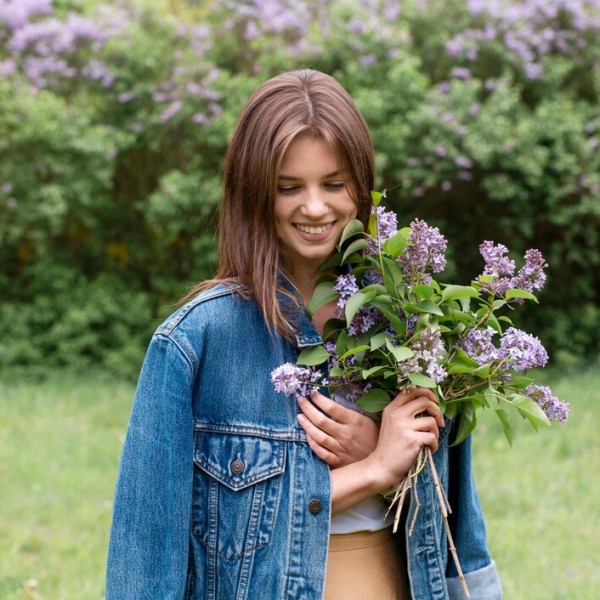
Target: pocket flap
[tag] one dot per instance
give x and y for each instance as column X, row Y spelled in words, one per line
column 238, row 461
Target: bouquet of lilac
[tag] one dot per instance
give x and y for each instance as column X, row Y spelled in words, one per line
column 398, row 328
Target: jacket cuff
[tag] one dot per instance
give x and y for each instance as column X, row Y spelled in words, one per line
column 483, row 584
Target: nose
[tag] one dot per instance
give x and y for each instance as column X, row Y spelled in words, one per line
column 314, row 205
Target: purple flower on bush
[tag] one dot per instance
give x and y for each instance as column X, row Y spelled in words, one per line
column 424, row 253
column 501, row 268
column 555, row 409
column 364, row 319
column 531, row 275
column 498, row 266
column 290, row 379
column 428, row 351
column 521, row 351
column 346, row 287
column 478, row 345
column 387, row 226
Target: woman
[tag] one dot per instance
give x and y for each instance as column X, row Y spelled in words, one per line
column 227, row 489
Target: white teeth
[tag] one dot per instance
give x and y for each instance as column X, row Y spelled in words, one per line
column 312, row 229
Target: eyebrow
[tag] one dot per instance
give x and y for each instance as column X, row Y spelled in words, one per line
column 328, row 176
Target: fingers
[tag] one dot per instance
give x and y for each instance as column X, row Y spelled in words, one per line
column 340, row 435
column 335, row 411
column 414, row 402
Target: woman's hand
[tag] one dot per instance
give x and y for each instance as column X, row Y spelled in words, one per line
column 412, row 420
column 337, row 435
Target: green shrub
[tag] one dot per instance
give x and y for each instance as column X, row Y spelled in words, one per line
column 115, row 117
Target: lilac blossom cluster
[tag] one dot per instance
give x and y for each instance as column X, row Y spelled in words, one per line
column 49, row 50
column 387, row 226
column 53, row 52
column 521, row 351
column 289, row 20
column 517, row 350
column 292, row 380
column 530, row 277
column 424, row 254
column 555, row 409
column 479, row 346
column 346, row 286
column 429, row 351
column 530, row 30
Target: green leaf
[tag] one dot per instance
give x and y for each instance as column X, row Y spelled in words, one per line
column 313, row 356
column 375, row 400
column 400, row 353
column 518, row 293
column 396, row 322
column 323, row 294
column 355, row 302
column 333, row 261
column 353, row 351
column 429, row 307
column 459, row 292
column 423, row 291
column 377, row 196
column 458, row 369
column 335, row 372
column 352, row 228
column 354, row 247
column 530, row 410
column 467, row 421
column 421, row 380
column 506, row 426
column 372, row 371
column 395, row 245
column 378, row 340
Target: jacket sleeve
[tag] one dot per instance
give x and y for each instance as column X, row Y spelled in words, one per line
column 149, row 542
column 469, row 532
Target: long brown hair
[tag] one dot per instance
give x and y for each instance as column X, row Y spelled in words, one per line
column 307, row 103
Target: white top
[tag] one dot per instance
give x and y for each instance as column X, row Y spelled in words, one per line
column 368, row 515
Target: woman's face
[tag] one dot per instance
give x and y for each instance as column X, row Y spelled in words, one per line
column 313, row 203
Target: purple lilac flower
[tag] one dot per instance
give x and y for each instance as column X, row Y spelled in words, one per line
column 16, row 13
column 364, row 319
column 521, row 351
column 346, row 287
column 478, row 345
column 555, row 409
column 424, row 252
column 428, row 350
column 531, row 275
column 290, row 379
column 387, row 226
column 168, row 113
column 498, row 265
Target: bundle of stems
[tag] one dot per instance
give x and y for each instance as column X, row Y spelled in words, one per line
column 408, row 485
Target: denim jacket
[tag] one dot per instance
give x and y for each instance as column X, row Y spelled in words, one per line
column 218, row 494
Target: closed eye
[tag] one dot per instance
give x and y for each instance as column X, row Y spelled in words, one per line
column 287, row 189
column 335, row 185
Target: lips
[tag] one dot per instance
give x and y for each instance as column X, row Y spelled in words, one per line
column 313, row 229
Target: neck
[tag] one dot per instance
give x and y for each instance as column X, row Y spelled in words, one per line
column 305, row 280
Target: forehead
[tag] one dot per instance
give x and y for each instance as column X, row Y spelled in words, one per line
column 310, row 155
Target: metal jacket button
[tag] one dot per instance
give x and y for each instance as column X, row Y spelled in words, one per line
column 238, row 466
column 315, row 506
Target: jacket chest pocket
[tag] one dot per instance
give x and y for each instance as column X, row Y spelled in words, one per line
column 237, row 489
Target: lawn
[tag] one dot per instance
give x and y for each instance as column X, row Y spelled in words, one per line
column 59, row 446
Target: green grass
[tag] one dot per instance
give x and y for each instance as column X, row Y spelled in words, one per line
column 540, row 498
column 59, row 446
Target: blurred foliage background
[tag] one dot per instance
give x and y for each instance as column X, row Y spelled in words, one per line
column 114, row 118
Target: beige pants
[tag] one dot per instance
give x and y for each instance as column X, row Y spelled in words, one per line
column 365, row 566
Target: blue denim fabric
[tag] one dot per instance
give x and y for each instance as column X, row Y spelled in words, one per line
column 218, row 494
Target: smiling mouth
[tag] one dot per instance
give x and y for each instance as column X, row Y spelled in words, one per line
column 313, row 229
